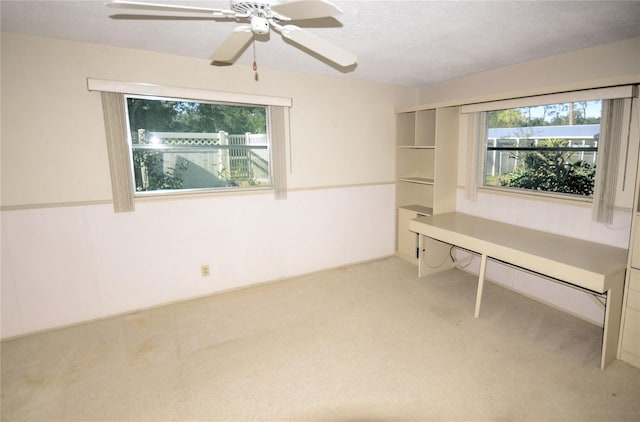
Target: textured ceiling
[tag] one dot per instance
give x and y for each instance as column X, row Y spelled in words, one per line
column 411, row 43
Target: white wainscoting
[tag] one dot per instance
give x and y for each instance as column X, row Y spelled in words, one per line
column 560, row 218
column 65, row 265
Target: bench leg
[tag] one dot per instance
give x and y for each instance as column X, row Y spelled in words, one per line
column 421, row 271
column 611, row 332
column 483, row 269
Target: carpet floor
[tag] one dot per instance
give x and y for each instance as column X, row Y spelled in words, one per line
column 364, row 342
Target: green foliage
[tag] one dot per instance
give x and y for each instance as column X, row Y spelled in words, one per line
column 182, row 116
column 149, row 174
column 547, row 170
column 552, row 171
column 237, row 177
column 507, row 118
column 546, row 115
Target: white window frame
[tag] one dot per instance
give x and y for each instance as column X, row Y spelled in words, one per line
column 157, row 192
column 487, row 147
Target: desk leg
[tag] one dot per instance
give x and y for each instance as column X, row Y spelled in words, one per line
column 421, row 271
column 483, row 270
column 612, row 316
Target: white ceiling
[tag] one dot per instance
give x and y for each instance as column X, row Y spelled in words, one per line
column 411, row 43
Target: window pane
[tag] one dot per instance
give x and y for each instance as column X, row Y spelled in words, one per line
column 551, row 148
column 179, row 145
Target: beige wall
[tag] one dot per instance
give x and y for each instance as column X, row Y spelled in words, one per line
column 53, row 138
column 67, row 264
column 605, row 65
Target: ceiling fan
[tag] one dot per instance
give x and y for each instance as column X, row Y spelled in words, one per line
column 260, row 16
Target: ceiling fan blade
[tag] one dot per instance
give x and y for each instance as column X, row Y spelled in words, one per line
column 306, row 9
column 232, row 46
column 318, row 45
column 123, row 16
column 123, row 4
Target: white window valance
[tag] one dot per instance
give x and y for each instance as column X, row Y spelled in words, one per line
column 138, row 88
column 609, row 93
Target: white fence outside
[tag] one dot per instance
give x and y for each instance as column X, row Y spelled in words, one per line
column 500, row 159
column 209, row 159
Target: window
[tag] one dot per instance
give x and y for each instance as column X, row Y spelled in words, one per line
column 546, row 148
column 163, row 120
column 186, row 145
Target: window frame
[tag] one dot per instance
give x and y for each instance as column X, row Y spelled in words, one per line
column 212, row 189
column 530, row 136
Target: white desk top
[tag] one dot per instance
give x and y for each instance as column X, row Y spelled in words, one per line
column 586, row 264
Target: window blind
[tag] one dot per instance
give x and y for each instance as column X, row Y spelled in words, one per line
column 278, row 134
column 474, row 129
column 611, row 134
column 118, row 151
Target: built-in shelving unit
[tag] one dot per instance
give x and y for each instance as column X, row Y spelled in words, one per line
column 629, row 342
column 629, row 345
column 426, row 169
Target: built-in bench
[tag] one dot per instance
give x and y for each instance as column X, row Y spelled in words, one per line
column 587, row 265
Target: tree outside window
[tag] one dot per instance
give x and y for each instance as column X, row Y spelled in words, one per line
column 550, row 148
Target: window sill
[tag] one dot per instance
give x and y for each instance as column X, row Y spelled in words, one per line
column 199, row 193
column 539, row 196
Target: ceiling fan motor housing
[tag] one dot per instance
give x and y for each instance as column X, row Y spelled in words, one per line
column 259, row 25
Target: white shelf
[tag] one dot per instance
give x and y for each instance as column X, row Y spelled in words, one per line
column 418, row 209
column 419, row 180
column 417, row 147
column 426, row 171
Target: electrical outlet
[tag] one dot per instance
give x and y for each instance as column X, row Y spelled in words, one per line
column 204, row 270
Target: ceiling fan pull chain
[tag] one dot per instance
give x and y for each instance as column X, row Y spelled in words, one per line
column 255, row 65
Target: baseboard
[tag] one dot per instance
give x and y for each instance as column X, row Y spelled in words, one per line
column 188, row 299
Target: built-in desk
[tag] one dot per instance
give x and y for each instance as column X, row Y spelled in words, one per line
column 590, row 266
